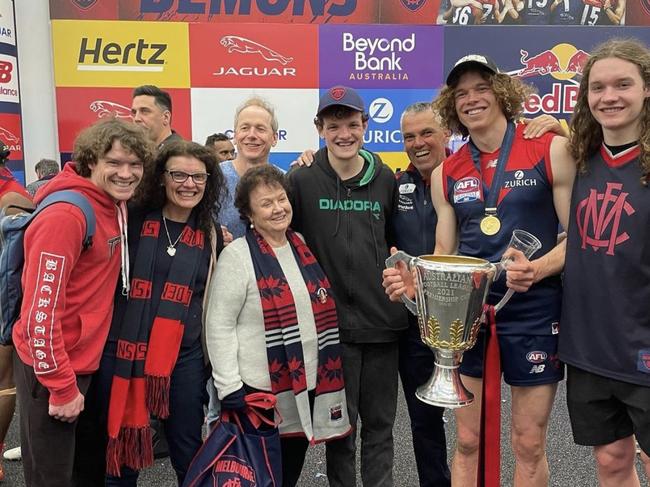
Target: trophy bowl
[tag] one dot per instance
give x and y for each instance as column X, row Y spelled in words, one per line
column 450, row 293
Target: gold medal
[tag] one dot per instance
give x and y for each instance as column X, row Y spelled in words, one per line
column 490, row 225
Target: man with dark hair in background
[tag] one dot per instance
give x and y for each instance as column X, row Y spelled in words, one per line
column 45, row 169
column 151, row 108
column 222, row 146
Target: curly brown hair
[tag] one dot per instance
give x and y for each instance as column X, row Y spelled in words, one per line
column 151, row 192
column 586, row 132
column 511, row 93
column 95, row 141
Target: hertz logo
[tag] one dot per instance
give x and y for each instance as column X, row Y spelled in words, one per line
column 134, row 56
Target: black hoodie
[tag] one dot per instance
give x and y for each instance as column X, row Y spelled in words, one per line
column 346, row 224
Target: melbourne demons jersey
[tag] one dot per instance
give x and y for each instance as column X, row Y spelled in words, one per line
column 536, row 12
column 525, row 201
column 567, row 12
column 468, row 15
column 593, row 12
column 606, row 313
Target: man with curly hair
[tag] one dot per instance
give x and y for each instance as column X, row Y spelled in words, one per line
column 605, row 339
column 68, row 297
column 499, row 181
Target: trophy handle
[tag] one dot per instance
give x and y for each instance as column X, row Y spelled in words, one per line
column 401, row 256
column 504, row 300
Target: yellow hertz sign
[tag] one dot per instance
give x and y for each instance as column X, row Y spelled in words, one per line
column 121, row 54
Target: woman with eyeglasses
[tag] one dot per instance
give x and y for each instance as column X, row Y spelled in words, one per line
column 154, row 363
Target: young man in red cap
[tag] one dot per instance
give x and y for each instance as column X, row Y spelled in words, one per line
column 343, row 204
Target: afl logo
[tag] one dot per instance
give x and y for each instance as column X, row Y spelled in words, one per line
column 536, row 357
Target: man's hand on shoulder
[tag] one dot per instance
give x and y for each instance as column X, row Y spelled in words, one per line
column 542, row 124
column 304, row 159
column 69, row 412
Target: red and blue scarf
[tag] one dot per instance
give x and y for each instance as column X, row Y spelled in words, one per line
column 148, row 344
column 329, row 418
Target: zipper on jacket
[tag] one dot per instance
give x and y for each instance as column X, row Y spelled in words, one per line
column 348, row 193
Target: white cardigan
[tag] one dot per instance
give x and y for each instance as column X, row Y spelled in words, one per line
column 235, row 323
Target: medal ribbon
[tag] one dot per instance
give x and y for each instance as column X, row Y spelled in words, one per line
column 489, row 461
column 491, row 194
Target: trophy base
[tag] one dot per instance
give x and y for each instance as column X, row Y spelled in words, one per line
column 445, row 389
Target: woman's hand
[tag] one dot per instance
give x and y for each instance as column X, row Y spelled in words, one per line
column 235, row 400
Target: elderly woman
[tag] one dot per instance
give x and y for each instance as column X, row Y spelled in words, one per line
column 272, row 324
column 154, row 361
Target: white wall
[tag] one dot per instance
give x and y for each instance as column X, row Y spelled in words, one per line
column 36, row 83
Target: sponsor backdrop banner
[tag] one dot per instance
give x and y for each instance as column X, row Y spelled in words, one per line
column 125, row 54
column 251, row 56
column 521, row 12
column 549, row 58
column 211, row 67
column 80, row 107
column 380, row 56
column 10, row 115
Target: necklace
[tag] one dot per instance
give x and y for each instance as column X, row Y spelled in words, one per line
column 171, row 248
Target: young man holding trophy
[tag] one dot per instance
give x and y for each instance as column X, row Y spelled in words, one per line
column 498, row 182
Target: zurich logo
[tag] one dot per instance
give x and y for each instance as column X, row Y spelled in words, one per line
column 413, row 5
column 380, row 110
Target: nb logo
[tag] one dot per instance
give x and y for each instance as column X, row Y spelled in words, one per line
column 599, row 218
column 6, row 68
column 381, row 110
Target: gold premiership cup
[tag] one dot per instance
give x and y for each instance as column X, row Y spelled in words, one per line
column 451, row 292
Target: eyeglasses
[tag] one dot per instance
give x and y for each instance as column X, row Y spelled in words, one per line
column 181, row 177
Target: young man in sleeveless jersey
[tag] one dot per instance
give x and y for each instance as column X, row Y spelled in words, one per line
column 497, row 182
column 605, row 338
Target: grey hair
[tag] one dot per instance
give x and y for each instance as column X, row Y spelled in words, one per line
column 257, row 101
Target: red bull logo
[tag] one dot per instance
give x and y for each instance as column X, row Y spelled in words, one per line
column 413, row 5
column 109, row 109
column 563, row 62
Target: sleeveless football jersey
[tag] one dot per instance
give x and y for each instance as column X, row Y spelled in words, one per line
column 525, row 201
column 606, row 312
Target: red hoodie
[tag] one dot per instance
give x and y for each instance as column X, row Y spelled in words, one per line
column 68, row 292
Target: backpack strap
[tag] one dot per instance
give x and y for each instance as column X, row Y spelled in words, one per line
column 74, row 198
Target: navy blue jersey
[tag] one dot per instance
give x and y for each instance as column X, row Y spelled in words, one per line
column 568, row 12
column 593, row 12
column 414, row 218
column 526, row 202
column 536, row 12
column 469, row 15
column 606, row 313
